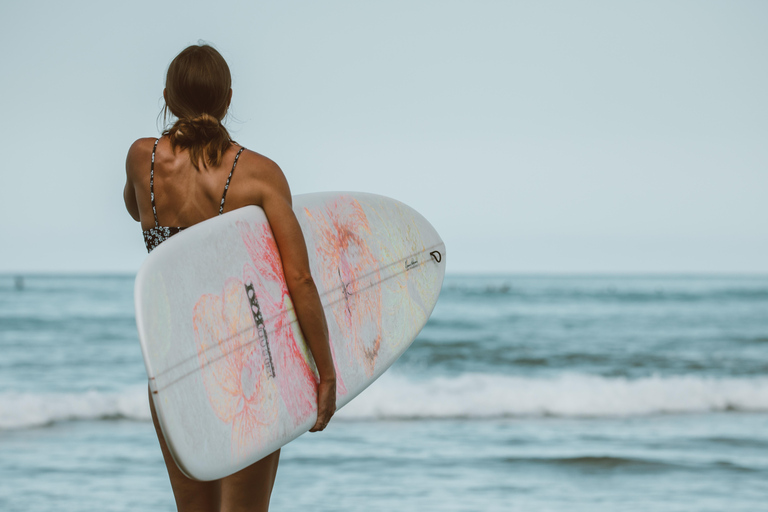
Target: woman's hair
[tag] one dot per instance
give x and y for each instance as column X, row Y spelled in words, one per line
column 197, row 92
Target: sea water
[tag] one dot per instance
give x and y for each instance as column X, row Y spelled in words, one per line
column 522, row 393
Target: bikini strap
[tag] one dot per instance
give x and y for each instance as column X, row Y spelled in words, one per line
column 152, row 183
column 226, row 187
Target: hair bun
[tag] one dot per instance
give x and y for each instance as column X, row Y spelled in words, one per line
column 196, row 130
column 204, row 120
column 203, row 135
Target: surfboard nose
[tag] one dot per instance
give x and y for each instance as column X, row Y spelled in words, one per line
column 433, row 247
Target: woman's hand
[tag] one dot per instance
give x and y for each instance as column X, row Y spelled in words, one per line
column 326, row 403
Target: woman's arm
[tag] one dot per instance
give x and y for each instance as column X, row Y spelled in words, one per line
column 129, row 192
column 275, row 198
column 129, row 196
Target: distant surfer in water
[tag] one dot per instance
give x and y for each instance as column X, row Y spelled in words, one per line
column 193, row 172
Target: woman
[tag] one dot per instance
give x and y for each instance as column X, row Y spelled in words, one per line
column 195, row 172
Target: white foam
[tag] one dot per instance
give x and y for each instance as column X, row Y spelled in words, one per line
column 573, row 395
column 470, row 396
column 23, row 410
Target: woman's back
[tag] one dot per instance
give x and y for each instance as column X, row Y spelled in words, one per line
column 183, row 194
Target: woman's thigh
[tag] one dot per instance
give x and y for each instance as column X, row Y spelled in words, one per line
column 250, row 489
column 191, row 495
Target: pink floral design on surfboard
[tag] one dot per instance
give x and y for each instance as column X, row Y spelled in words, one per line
column 249, row 357
column 347, row 263
column 239, row 390
column 295, row 379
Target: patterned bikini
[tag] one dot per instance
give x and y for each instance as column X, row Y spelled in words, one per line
column 159, row 234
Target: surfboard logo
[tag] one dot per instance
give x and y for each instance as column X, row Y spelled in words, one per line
column 411, row 263
column 258, row 319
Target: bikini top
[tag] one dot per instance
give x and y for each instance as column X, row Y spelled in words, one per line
column 159, row 234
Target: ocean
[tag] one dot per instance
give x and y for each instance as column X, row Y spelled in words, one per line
column 522, row 393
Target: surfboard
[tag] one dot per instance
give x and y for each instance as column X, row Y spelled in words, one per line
column 229, row 372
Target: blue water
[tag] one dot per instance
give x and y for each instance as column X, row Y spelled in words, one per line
column 544, row 393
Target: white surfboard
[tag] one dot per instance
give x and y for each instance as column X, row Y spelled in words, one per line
column 229, row 373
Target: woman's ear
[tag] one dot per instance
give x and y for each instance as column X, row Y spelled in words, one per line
column 165, row 95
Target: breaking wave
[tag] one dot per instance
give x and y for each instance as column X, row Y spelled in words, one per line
column 466, row 396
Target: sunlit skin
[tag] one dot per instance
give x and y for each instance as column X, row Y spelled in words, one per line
column 186, row 196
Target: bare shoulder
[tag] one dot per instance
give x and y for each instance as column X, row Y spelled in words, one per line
column 139, row 157
column 264, row 175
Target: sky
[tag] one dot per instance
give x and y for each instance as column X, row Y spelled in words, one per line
column 546, row 136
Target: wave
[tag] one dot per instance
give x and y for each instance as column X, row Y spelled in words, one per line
column 470, row 396
column 606, row 289
column 479, row 396
column 26, row 410
column 595, row 463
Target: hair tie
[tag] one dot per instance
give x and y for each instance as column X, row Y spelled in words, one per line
column 205, row 118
